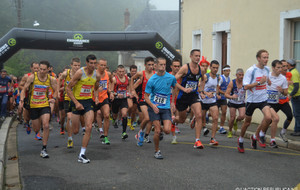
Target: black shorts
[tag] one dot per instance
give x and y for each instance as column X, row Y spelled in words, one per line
column 119, row 104
column 67, row 106
column 36, row 113
column 186, row 101
column 142, row 104
column 207, row 106
column 87, row 105
column 222, row 102
column 236, row 106
column 26, row 104
column 98, row 106
column 250, row 107
column 61, row 105
column 164, row 114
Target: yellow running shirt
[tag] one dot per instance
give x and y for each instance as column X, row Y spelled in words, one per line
column 39, row 92
column 83, row 89
column 67, row 80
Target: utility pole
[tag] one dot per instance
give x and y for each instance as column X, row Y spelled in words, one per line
column 19, row 12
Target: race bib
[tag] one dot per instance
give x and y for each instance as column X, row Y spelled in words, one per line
column 103, row 84
column 160, row 99
column 39, row 94
column 213, row 91
column 122, row 92
column 191, row 84
column 86, row 90
column 2, row 89
column 273, row 96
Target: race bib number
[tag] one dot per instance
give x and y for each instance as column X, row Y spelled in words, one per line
column 86, row 90
column 103, row 84
column 213, row 92
column 191, row 84
column 273, row 96
column 122, row 92
column 160, row 99
column 282, row 97
column 2, row 89
column 39, row 94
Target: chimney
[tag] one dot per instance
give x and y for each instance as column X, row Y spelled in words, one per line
column 126, row 18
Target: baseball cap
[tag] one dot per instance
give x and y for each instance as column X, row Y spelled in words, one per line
column 291, row 62
column 3, row 70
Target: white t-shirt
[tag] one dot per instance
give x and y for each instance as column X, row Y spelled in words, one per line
column 273, row 93
column 258, row 93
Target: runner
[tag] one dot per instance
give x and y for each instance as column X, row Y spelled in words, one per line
column 209, row 98
column 38, row 85
column 222, row 102
column 255, row 82
column 284, row 102
column 102, row 106
column 34, row 67
column 158, row 87
column 83, row 83
column 175, row 66
column 278, row 86
column 236, row 94
column 65, row 79
column 144, row 76
column 120, row 84
column 190, row 74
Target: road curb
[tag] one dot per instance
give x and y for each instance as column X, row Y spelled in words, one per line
column 3, row 138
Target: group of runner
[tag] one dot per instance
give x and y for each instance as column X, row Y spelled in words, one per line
column 91, row 94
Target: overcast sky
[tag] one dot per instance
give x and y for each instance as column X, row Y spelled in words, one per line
column 165, row 4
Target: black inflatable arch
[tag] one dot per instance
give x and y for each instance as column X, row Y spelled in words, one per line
column 23, row 38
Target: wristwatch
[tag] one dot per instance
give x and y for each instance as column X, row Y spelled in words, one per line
column 258, row 83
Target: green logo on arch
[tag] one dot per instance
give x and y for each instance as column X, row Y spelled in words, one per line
column 159, row 45
column 12, row 42
column 78, row 37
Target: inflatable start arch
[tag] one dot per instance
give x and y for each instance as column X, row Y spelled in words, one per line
column 22, row 38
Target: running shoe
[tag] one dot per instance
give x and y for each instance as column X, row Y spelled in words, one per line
column 128, row 121
column 240, row 147
column 28, row 128
column 235, row 125
column 105, row 141
column 124, row 135
column 134, row 124
column 62, row 132
column 198, row 145
column 273, row 144
column 70, row 144
column 131, row 127
column 205, row 131
column 253, row 142
column 147, row 139
column 283, row 137
column 83, row 159
column 158, row 155
column 177, row 130
column 262, row 142
column 229, row 134
column 193, row 122
column 174, row 141
column 213, row 142
column 115, row 124
column 38, row 136
column 44, row 154
column 161, row 136
column 140, row 138
column 222, row 131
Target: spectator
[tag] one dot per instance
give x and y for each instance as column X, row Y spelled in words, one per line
column 5, row 87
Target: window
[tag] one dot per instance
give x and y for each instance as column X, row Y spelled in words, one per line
column 296, row 41
column 197, row 42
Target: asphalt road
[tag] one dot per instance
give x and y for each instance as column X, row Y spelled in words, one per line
column 123, row 165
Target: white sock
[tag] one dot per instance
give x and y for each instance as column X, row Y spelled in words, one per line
column 174, row 137
column 283, row 131
column 273, row 140
column 221, row 127
column 101, row 130
column 241, row 139
column 197, row 140
column 254, row 136
column 261, row 134
column 70, row 138
column 83, row 128
column 82, row 151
